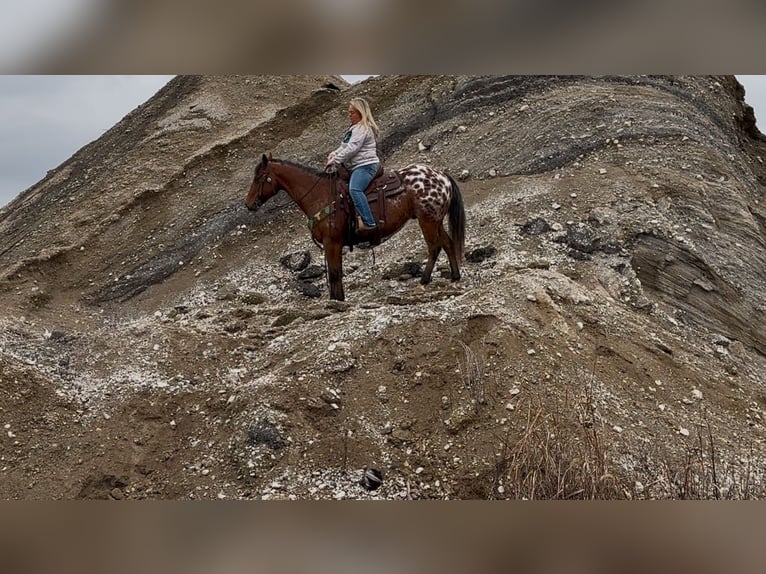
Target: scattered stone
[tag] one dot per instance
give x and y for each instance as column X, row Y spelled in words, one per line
column 643, row 303
column 480, row 254
column 721, row 340
column 406, row 270
column 536, row 226
column 308, row 289
column 399, row 436
column 539, row 264
column 582, row 238
column 253, row 298
column 578, row 255
column 460, row 418
column 226, row 293
column 265, row 432
column 241, row 313
column 285, row 318
column 331, row 397
column 412, row 268
column 705, row 285
column 311, row 272
column 235, row 327
column 296, row 261
column 371, row 479
column 317, row 406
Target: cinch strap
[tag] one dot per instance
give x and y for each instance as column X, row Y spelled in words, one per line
column 320, row 215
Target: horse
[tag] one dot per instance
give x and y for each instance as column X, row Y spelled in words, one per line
column 425, row 194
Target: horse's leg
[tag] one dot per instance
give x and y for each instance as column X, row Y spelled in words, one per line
column 334, row 258
column 431, row 235
column 450, row 249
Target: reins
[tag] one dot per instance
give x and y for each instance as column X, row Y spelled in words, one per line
column 302, row 197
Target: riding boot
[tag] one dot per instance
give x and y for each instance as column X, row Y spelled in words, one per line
column 360, row 226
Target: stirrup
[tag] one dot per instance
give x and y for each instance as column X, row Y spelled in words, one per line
column 360, row 226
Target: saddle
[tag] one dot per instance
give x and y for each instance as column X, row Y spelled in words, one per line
column 383, row 185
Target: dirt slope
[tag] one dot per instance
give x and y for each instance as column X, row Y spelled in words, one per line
column 607, row 338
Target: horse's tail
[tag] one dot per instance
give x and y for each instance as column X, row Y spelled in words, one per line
column 457, row 218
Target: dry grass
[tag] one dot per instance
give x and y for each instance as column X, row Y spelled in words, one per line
column 700, row 472
column 472, row 375
column 560, row 449
column 560, row 454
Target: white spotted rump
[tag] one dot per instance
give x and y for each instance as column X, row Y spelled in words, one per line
column 433, row 190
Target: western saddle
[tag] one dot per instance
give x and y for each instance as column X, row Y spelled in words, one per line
column 383, row 185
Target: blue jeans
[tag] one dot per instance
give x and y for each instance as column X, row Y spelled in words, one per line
column 360, row 179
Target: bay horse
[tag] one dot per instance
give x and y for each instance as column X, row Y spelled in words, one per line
column 427, row 195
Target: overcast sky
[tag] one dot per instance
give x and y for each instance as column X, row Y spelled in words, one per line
column 44, row 120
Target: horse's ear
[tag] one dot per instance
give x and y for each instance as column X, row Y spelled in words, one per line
column 264, row 159
column 270, row 158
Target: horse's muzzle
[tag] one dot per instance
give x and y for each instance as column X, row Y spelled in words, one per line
column 255, row 206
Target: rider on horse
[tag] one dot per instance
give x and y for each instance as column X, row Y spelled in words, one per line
column 358, row 152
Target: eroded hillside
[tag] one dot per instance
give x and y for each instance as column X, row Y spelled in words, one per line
column 606, row 339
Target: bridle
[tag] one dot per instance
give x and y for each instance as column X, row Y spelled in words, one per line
column 263, row 180
column 266, row 178
column 312, row 220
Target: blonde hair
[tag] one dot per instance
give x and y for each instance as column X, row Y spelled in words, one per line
column 361, row 105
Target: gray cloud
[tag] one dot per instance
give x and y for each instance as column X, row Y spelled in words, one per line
column 44, row 120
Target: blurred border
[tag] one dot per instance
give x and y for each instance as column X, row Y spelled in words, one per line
column 372, row 537
column 391, row 36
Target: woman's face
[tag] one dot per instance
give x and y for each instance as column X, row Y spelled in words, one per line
column 353, row 115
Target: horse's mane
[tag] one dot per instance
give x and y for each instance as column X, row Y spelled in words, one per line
column 311, row 170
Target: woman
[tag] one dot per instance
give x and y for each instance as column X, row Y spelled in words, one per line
column 358, row 153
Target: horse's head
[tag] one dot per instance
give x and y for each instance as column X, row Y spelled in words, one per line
column 263, row 186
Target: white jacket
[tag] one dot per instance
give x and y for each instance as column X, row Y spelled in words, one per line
column 359, row 147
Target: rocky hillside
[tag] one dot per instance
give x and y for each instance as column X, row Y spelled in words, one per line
column 607, row 339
